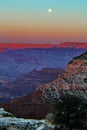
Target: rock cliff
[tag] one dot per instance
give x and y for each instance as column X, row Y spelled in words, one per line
column 73, row 80
column 26, row 83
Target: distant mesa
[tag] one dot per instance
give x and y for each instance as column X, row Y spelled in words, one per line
column 24, row 45
column 72, row 45
column 42, row 45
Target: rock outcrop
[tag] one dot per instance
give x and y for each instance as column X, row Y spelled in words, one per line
column 73, row 80
column 8, row 122
column 3, row 113
column 26, row 83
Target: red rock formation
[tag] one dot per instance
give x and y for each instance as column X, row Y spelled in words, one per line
column 47, row 45
column 28, row 82
column 72, row 45
column 73, row 81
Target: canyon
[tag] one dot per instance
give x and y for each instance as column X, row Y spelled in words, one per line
column 73, row 80
column 23, row 67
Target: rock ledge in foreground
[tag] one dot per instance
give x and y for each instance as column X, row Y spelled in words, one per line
column 12, row 123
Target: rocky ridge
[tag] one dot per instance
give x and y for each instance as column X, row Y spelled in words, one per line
column 73, row 80
column 26, row 83
column 72, row 45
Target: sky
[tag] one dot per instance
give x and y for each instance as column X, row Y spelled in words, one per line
column 28, row 21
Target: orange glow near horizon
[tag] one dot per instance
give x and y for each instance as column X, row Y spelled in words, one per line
column 14, row 32
column 29, row 21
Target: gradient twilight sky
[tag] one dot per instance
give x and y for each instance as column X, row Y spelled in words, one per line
column 28, row 21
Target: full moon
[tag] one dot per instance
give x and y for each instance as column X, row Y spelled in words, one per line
column 50, row 10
